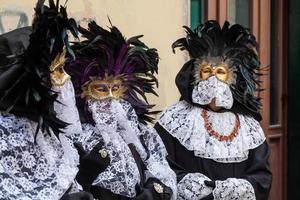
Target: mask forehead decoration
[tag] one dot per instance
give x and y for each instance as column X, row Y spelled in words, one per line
column 229, row 54
column 109, row 66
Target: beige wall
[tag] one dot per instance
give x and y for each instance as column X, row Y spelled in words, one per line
column 159, row 20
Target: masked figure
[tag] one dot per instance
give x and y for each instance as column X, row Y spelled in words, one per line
column 36, row 160
column 111, row 76
column 215, row 143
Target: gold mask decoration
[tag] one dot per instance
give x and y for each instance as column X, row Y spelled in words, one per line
column 57, row 72
column 221, row 72
column 100, row 89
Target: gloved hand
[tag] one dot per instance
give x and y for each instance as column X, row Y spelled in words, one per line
column 153, row 189
column 208, row 197
column 78, row 196
column 209, row 184
column 91, row 164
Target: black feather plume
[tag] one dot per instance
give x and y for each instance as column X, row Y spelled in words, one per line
column 25, row 84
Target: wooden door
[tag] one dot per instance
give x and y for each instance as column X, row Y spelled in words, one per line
column 268, row 23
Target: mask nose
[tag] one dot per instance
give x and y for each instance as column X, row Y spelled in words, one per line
column 110, row 94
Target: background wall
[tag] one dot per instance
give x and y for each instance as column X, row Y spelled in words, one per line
column 160, row 21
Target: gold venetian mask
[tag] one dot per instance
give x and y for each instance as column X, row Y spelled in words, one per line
column 221, row 72
column 57, row 72
column 100, row 89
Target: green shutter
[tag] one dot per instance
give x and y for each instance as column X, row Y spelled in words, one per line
column 196, row 12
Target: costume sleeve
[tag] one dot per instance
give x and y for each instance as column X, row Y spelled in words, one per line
column 190, row 185
column 156, row 164
column 256, row 182
column 258, row 172
column 91, row 165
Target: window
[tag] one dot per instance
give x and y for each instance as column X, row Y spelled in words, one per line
column 197, row 12
column 238, row 12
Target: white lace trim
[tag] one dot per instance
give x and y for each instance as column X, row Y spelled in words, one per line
column 233, row 188
column 122, row 175
column 184, row 122
column 66, row 110
column 116, row 127
column 204, row 92
column 29, row 170
column 192, row 187
column 157, row 165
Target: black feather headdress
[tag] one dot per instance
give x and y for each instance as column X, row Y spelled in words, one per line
column 108, row 53
column 25, row 83
column 232, row 44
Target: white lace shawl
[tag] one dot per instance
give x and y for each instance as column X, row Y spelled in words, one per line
column 184, row 122
column 29, row 170
column 117, row 126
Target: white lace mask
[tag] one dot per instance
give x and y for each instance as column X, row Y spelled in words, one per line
column 205, row 91
column 116, row 117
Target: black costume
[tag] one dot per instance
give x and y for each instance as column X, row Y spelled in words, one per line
column 214, row 141
column 111, row 76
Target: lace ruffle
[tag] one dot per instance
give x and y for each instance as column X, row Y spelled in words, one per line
column 184, row 122
column 157, row 165
column 29, row 170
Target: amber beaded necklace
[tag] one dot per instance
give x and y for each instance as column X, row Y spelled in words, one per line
column 217, row 135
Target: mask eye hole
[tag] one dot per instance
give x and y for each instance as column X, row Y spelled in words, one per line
column 60, row 69
column 115, row 88
column 221, row 72
column 101, row 88
column 205, row 72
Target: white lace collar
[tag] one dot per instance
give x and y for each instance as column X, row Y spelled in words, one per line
column 29, row 170
column 184, row 122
